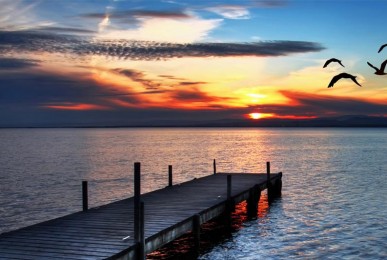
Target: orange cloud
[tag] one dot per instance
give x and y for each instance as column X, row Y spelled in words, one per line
column 76, row 106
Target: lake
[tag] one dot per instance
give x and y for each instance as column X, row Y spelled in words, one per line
column 333, row 199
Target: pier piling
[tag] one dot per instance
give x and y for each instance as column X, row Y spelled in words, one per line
column 137, row 200
column 252, row 202
column 85, row 196
column 169, row 175
column 196, row 233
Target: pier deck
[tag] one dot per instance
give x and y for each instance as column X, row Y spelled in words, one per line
column 99, row 233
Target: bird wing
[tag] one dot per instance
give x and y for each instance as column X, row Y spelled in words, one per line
column 383, row 66
column 341, row 63
column 327, row 62
column 354, row 80
column 381, row 47
column 372, row 66
column 334, row 80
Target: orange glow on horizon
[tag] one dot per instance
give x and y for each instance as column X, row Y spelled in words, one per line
column 78, row 107
column 256, row 116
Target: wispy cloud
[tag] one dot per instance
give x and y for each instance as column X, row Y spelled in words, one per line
column 179, row 14
column 13, row 63
column 138, row 76
column 231, row 11
column 64, row 30
column 194, row 94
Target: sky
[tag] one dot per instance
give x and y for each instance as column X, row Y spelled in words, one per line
column 133, row 62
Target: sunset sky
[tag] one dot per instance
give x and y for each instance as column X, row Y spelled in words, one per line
column 119, row 62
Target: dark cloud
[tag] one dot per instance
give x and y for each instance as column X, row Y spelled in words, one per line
column 269, row 3
column 31, row 41
column 170, row 77
column 145, row 50
column 65, row 30
column 161, row 14
column 138, row 13
column 13, row 63
column 189, row 83
column 33, row 89
column 138, row 76
column 195, row 95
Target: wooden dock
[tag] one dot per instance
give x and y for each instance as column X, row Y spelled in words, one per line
column 133, row 227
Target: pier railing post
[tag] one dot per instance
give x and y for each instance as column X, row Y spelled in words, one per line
column 268, row 183
column 214, row 166
column 252, row 201
column 196, row 232
column 229, row 187
column 170, row 175
column 141, row 242
column 137, row 201
column 278, row 185
column 85, row 196
column 229, row 204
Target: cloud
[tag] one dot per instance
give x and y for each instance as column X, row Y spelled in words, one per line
column 231, row 11
column 138, row 76
column 194, row 95
column 29, row 41
column 38, row 88
column 165, row 30
column 268, row 3
column 306, row 104
column 179, row 14
column 13, row 63
column 64, row 30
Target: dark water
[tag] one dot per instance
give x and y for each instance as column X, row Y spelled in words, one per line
column 334, row 184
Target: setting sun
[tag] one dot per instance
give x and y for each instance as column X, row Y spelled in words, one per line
column 255, row 115
column 259, row 115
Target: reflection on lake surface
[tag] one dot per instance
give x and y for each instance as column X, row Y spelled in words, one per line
column 333, row 195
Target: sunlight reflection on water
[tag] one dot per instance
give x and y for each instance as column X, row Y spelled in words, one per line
column 333, row 184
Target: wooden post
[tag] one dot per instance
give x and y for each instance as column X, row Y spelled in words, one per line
column 228, row 187
column 278, row 185
column 141, row 242
column 170, row 175
column 252, row 202
column 137, row 201
column 268, row 171
column 268, row 183
column 229, row 204
column 214, row 166
column 196, row 232
column 85, row 196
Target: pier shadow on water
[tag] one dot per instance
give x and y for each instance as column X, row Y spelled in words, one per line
column 212, row 233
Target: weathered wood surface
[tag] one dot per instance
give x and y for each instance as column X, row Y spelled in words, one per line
column 98, row 233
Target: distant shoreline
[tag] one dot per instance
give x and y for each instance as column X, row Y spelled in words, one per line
column 341, row 121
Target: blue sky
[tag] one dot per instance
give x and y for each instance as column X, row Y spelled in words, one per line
column 129, row 62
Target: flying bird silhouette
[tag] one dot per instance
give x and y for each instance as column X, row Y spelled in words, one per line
column 381, row 70
column 332, row 60
column 381, row 47
column 340, row 76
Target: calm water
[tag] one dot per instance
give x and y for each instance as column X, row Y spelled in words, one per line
column 334, row 184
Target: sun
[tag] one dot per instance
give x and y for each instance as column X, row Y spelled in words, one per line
column 255, row 115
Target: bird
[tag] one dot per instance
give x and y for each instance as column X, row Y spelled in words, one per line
column 332, row 60
column 381, row 70
column 381, row 47
column 340, row 76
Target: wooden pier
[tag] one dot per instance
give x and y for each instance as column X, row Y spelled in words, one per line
column 133, row 227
